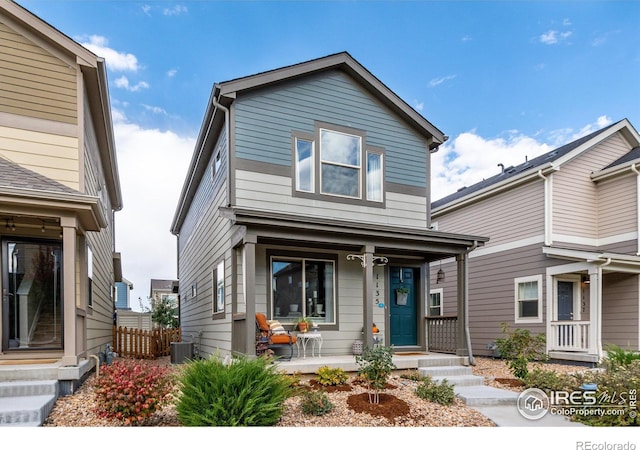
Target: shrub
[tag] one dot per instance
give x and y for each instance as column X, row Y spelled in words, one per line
column 375, row 366
column 131, row 391
column 548, row 380
column 520, row 348
column 617, row 387
column 618, row 357
column 316, row 403
column 441, row 393
column 413, row 375
column 331, row 377
column 245, row 392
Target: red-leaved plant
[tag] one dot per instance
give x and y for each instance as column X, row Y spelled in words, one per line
column 131, row 391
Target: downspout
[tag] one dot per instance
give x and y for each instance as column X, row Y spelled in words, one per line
column 472, row 361
column 547, row 209
column 634, row 169
column 97, row 365
column 227, row 128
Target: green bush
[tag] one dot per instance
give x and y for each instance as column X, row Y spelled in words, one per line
column 245, row 392
column 413, row 375
column 316, row 403
column 617, row 385
column 331, row 377
column 441, row 393
column 375, row 366
column 619, row 357
column 131, row 391
column 520, row 348
column 548, row 380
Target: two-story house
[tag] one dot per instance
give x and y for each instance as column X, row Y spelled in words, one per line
column 59, row 189
column 563, row 258
column 308, row 194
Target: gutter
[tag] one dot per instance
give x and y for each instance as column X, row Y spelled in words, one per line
column 472, row 360
column 634, row 169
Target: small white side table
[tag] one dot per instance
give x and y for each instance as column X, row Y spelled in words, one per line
column 304, row 338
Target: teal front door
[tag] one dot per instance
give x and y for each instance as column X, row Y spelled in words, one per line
column 403, row 308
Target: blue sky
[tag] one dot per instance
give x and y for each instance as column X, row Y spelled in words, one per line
column 504, row 80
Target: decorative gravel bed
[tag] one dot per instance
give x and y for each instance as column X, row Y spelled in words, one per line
column 77, row 410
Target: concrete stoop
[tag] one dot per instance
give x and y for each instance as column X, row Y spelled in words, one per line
column 27, row 403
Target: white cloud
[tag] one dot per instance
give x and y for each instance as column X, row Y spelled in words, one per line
column 123, row 83
column 419, row 106
column 553, row 37
column 155, row 109
column 175, row 11
column 116, row 61
column 172, row 73
column 437, row 81
column 152, row 165
column 146, row 9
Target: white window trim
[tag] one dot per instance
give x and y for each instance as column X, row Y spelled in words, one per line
column 516, row 282
column 436, row 291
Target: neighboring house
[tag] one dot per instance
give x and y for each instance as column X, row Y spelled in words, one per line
column 563, row 255
column 59, row 189
column 123, row 294
column 163, row 290
column 308, row 194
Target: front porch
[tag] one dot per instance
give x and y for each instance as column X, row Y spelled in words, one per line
column 569, row 340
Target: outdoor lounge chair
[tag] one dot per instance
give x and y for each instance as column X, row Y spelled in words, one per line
column 272, row 335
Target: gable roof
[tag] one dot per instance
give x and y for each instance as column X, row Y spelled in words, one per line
column 546, row 163
column 223, row 94
column 94, row 76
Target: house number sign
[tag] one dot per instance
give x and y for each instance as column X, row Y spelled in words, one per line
column 378, row 286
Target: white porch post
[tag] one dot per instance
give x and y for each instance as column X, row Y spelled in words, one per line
column 595, row 308
column 367, row 295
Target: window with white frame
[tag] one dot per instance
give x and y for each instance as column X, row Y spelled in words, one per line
column 341, row 167
column 217, row 279
column 89, row 277
column 435, row 303
column 303, row 287
column 528, row 299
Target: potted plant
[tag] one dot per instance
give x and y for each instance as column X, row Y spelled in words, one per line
column 401, row 295
column 304, row 324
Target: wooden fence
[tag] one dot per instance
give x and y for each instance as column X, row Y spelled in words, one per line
column 144, row 344
column 441, row 333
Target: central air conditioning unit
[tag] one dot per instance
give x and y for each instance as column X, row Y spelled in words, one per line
column 181, row 352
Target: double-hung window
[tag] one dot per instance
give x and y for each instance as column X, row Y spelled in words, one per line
column 435, row 303
column 339, row 165
column 528, row 299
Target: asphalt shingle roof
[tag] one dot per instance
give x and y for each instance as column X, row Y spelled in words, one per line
column 13, row 175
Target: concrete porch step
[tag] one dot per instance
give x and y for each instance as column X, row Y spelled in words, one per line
column 481, row 395
column 27, row 403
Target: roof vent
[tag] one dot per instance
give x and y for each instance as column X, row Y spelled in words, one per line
column 510, row 169
column 462, row 188
column 501, row 167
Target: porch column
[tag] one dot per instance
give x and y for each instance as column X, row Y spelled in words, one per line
column 595, row 311
column 69, row 249
column 367, row 295
column 249, row 251
column 461, row 329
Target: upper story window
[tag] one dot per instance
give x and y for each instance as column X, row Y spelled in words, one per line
column 339, row 165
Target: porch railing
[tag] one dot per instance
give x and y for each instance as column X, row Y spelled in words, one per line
column 570, row 335
column 441, row 334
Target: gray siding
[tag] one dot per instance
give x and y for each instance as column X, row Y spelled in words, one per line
column 264, row 121
column 203, row 242
column 620, row 312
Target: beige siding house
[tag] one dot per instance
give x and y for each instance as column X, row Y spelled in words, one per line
column 563, row 256
column 308, row 194
column 59, row 189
